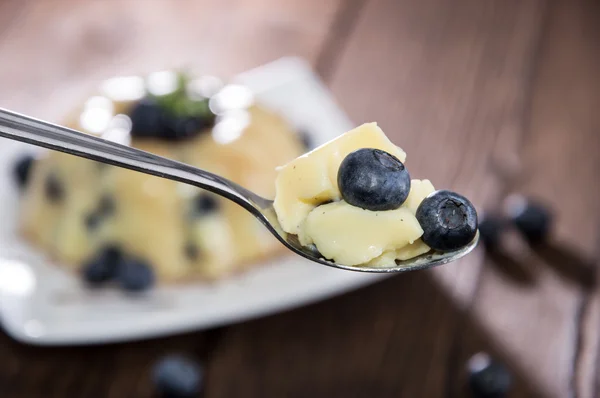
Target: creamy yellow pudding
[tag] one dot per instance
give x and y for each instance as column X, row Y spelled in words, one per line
column 88, row 215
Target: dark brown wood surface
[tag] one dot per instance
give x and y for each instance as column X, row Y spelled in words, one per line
column 487, row 98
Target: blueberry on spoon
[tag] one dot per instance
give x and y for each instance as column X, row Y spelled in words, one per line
column 449, row 220
column 373, row 180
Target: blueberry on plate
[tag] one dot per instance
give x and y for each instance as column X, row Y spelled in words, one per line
column 22, row 169
column 134, row 275
column 449, row 220
column 532, row 219
column 103, row 266
column 205, row 204
column 373, row 179
column 306, row 139
column 180, row 128
column 54, row 189
column 487, row 377
column 147, row 119
column 192, row 251
column 177, row 376
column 491, row 227
column 106, row 208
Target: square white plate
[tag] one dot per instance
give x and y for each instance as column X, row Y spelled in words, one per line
column 42, row 304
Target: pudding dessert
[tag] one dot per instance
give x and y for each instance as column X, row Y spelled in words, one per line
column 353, row 199
column 116, row 224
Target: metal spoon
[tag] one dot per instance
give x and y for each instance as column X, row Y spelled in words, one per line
column 33, row 131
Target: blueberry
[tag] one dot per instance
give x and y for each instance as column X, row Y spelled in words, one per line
column 191, row 251
column 205, row 204
column 373, row 180
column 93, row 221
column 134, row 275
column 106, row 208
column 54, row 189
column 147, row 119
column 183, row 127
column 107, row 205
column 103, row 267
column 449, row 220
column 307, row 140
column 22, row 169
column 176, row 376
column 488, row 378
column 532, row 219
column 490, row 230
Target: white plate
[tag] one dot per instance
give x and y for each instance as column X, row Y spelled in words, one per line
column 42, row 304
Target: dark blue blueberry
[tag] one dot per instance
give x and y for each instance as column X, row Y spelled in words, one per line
column 103, row 267
column 134, row 275
column 449, row 220
column 491, row 227
column 54, row 189
column 106, row 207
column 93, row 221
column 373, row 179
column 307, row 140
column 192, row 251
column 183, row 127
column 488, row 378
column 532, row 219
column 147, row 119
column 205, row 204
column 22, row 169
column 176, row 376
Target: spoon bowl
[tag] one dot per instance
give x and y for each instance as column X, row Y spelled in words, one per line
column 26, row 129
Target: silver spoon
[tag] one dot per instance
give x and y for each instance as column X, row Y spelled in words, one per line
column 33, row 131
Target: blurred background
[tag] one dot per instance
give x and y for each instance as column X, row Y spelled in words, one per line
column 489, row 98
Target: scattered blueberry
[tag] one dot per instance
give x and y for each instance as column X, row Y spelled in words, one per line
column 490, row 230
column 103, row 267
column 488, row 378
column 205, row 203
column 134, row 275
column 373, row 179
column 147, row 119
column 531, row 218
column 449, row 220
column 22, row 170
column 54, row 188
column 176, row 376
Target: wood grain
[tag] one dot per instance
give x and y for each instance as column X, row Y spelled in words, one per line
column 537, row 325
column 486, row 97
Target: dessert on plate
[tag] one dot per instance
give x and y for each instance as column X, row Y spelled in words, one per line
column 353, row 199
column 115, row 224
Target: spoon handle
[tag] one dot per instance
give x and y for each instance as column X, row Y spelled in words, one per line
column 37, row 132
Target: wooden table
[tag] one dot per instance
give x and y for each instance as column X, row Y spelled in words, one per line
column 487, row 97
